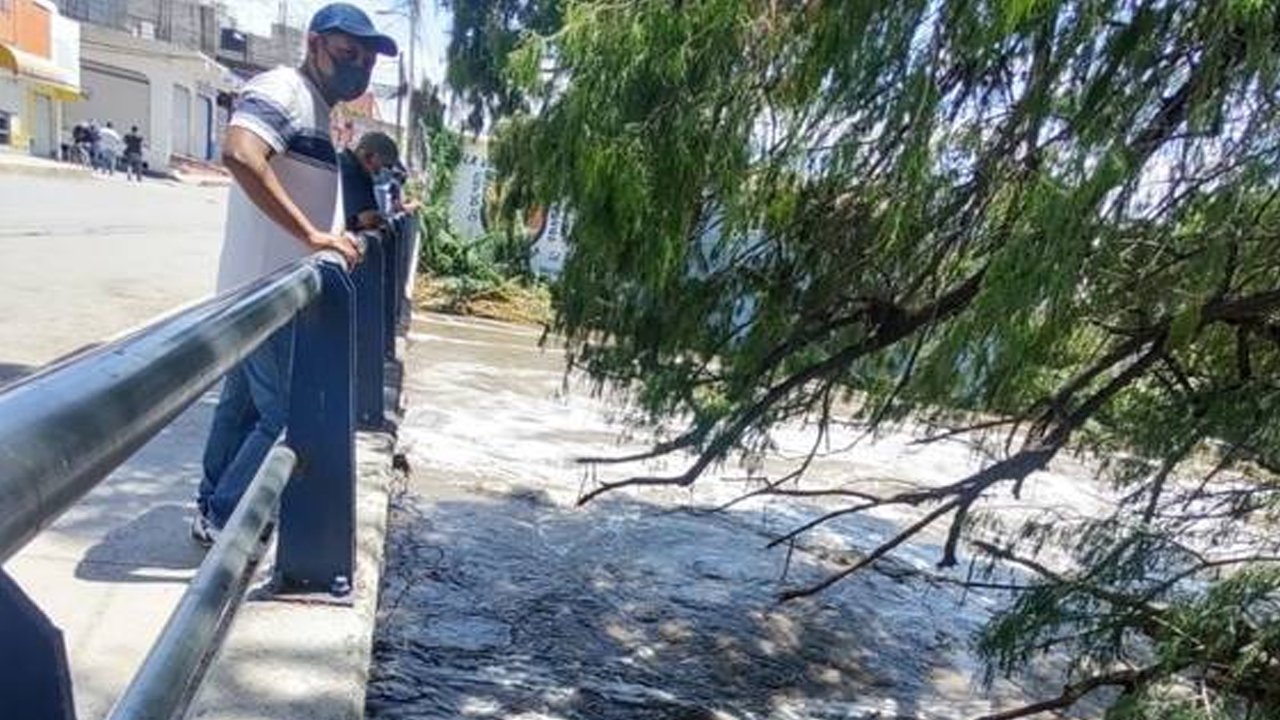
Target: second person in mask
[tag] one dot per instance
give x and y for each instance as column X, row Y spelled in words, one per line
column 285, row 204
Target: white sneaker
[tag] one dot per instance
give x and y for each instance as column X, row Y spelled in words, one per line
column 203, row 531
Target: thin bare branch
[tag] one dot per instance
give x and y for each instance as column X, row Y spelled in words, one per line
column 955, row 432
column 893, row 326
column 683, row 442
column 884, row 549
column 1075, row 692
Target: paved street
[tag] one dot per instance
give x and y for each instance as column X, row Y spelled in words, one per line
column 85, row 259
column 90, row 259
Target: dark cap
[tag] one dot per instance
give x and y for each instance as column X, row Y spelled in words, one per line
column 349, row 19
column 381, row 145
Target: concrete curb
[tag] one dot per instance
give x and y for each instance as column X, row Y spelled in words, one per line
column 200, row 180
column 294, row 661
column 44, row 169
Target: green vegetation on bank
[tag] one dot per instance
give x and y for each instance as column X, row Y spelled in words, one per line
column 487, row 276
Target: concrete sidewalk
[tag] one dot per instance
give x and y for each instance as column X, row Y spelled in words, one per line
column 290, row 661
column 17, row 163
column 110, row 571
column 199, row 172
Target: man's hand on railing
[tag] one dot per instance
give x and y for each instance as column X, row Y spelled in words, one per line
column 342, row 243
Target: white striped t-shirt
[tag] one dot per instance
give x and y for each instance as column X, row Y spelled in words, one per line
column 286, row 110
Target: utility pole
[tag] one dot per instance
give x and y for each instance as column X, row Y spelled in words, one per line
column 415, row 8
column 401, row 90
column 404, row 101
column 283, row 21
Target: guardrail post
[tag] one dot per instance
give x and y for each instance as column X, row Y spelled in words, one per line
column 36, row 682
column 408, row 264
column 371, row 330
column 391, row 298
column 315, row 548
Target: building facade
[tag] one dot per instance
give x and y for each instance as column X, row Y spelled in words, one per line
column 249, row 54
column 150, row 63
column 39, row 72
column 173, row 67
column 170, row 93
column 351, row 120
column 189, row 24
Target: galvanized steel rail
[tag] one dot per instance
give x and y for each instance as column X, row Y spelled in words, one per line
column 166, row 681
column 65, row 429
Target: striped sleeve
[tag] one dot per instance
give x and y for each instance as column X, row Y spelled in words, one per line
column 264, row 108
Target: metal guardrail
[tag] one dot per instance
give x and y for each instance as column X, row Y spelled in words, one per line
column 167, row 679
column 65, row 429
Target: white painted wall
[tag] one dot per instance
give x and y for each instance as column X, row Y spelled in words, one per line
column 121, row 97
column 165, row 67
column 203, row 126
column 11, row 95
column 181, row 118
column 65, row 36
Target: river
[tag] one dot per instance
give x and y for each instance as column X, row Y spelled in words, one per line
column 504, row 600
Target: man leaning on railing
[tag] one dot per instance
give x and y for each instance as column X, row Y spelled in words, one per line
column 375, row 155
column 286, row 203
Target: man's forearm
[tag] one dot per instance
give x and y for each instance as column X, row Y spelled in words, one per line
column 248, row 157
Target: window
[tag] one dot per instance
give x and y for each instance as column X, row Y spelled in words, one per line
column 4, row 125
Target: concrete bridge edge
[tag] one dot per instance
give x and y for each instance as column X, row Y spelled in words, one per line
column 307, row 661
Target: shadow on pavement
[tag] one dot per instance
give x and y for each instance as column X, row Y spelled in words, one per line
column 149, row 548
column 134, row 525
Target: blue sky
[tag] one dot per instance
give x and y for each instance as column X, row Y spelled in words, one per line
column 256, row 16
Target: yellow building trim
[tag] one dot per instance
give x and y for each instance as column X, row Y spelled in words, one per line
column 17, row 137
column 38, row 71
column 57, row 92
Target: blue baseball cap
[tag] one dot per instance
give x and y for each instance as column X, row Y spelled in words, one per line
column 347, row 18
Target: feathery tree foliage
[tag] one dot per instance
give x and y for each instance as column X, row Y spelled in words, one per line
column 483, row 35
column 1055, row 221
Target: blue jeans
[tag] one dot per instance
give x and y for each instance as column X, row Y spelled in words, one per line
column 249, row 418
column 109, row 162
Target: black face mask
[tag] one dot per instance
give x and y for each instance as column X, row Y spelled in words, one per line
column 348, row 81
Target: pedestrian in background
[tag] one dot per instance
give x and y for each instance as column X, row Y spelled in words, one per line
column 93, row 136
column 286, row 203
column 133, row 154
column 110, row 145
column 80, row 143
